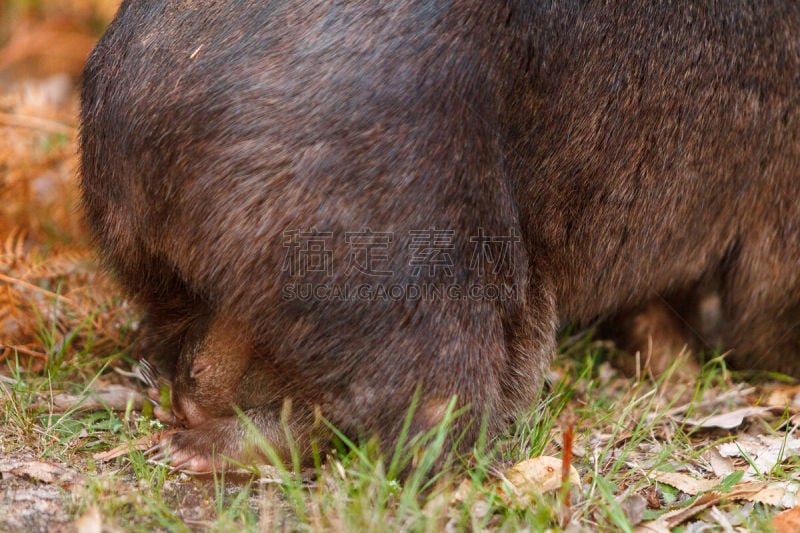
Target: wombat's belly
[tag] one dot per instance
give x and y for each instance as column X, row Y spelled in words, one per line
column 660, row 154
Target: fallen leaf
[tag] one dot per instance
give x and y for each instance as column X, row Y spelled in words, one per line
column 787, row 521
column 141, row 444
column 762, row 452
column 534, row 477
column 783, row 494
column 652, row 526
column 730, row 420
column 783, row 396
column 674, row 518
column 634, row 506
column 41, row 471
column 683, row 482
column 720, row 466
column 539, row 475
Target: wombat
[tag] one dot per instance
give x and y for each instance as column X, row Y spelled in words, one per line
column 327, row 208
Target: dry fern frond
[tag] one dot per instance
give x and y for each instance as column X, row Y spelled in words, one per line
column 54, row 300
column 61, row 292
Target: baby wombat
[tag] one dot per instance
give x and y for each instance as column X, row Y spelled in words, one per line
column 328, row 207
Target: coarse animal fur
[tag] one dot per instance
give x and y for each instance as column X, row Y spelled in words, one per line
column 640, row 151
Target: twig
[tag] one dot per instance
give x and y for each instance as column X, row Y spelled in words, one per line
column 31, row 286
column 568, row 437
column 35, row 123
column 26, row 351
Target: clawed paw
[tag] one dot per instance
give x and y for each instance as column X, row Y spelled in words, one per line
column 180, row 452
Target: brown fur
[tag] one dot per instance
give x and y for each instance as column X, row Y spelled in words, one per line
column 639, row 149
column 657, row 333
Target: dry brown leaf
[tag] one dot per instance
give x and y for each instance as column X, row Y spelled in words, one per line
column 141, row 444
column 720, row 466
column 534, row 477
column 634, row 506
column 683, row 482
column 762, row 452
column 787, row 521
column 526, row 480
column 783, row 396
column 539, row 475
column 42, row 471
column 783, row 494
column 652, row 526
column 667, row 521
column 730, row 420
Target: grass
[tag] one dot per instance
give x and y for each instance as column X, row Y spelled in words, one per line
column 619, row 426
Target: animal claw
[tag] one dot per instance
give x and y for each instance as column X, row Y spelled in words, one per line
column 147, row 373
column 151, row 450
column 159, row 458
column 179, row 467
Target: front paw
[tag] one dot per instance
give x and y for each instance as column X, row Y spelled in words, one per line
column 211, row 447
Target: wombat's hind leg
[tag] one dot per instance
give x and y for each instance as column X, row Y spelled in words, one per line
column 763, row 331
column 659, row 331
